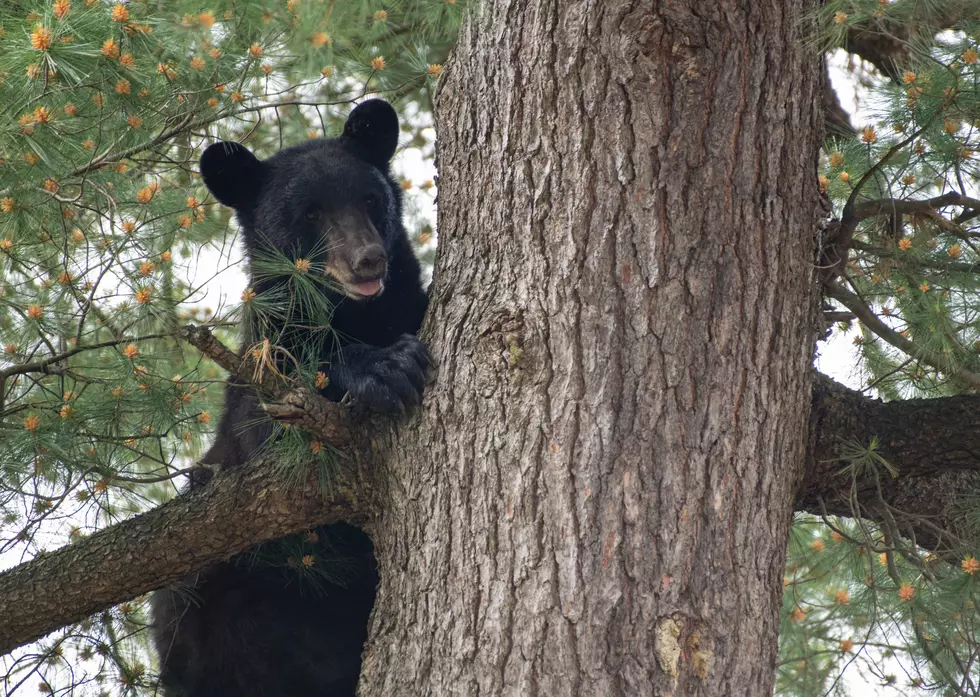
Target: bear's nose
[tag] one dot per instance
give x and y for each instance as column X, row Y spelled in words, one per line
column 370, row 262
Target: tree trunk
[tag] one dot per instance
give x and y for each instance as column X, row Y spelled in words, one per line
column 597, row 495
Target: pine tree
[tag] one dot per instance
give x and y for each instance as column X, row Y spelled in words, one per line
column 107, row 236
column 861, row 595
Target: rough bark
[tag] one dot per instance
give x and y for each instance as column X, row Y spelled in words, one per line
column 597, row 497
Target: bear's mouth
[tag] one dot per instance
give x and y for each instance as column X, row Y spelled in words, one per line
column 356, row 288
column 354, row 285
column 365, row 289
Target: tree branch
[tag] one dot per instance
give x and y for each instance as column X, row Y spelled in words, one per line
column 241, row 506
column 887, row 43
column 836, row 119
column 927, row 207
column 297, row 406
column 872, row 322
column 931, row 443
column 943, row 265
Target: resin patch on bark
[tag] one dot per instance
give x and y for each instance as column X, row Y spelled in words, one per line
column 666, row 645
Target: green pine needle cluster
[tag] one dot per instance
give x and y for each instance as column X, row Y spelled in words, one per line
column 854, row 599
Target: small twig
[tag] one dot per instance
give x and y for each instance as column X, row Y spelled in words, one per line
column 42, row 366
column 297, row 406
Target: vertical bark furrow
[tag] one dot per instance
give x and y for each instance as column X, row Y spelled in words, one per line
column 622, row 317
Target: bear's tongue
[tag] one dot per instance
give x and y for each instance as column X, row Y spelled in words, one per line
column 367, row 289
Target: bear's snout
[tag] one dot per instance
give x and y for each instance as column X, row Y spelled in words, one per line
column 370, row 262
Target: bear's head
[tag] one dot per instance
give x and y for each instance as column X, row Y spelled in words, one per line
column 331, row 201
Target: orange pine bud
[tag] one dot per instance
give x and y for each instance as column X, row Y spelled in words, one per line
column 120, row 14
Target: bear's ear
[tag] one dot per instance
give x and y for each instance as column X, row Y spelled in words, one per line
column 372, row 132
column 232, row 173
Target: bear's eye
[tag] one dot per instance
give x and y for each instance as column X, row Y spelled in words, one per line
column 370, row 200
column 312, row 215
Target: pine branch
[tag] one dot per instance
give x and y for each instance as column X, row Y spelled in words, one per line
column 43, row 365
column 927, row 207
column 935, row 264
column 888, row 43
column 187, row 125
column 852, row 213
column 837, row 247
column 237, row 509
column 932, row 443
column 297, row 406
column 870, row 320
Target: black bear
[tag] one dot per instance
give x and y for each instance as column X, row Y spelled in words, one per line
column 242, row 628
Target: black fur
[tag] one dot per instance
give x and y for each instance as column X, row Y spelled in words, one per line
column 241, row 629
